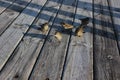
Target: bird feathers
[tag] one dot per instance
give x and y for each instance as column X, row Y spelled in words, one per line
column 79, row 31
column 58, row 36
column 84, row 21
column 44, row 27
column 66, row 25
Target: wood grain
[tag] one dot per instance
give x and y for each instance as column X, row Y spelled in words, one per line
column 4, row 4
column 50, row 62
column 115, row 10
column 106, row 54
column 13, row 35
column 23, row 60
column 79, row 62
column 10, row 14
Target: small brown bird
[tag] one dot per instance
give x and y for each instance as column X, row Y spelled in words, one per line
column 66, row 25
column 79, row 31
column 85, row 21
column 58, row 36
column 44, row 27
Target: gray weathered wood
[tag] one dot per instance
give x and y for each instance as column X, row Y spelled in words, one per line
column 115, row 9
column 79, row 62
column 27, row 52
column 49, row 65
column 106, row 54
column 4, row 4
column 10, row 14
column 13, row 35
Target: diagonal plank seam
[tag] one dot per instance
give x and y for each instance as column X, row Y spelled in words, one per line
column 23, row 35
column 14, row 19
column 8, row 7
column 45, row 40
column 111, row 16
column 69, row 41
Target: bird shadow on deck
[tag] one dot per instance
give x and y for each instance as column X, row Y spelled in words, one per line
column 83, row 5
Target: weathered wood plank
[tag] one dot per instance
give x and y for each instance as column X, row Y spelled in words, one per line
column 50, row 62
column 13, row 35
column 115, row 10
column 106, row 54
column 4, row 4
column 79, row 62
column 10, row 14
column 22, row 62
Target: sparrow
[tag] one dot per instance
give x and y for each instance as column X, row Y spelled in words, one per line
column 58, row 36
column 66, row 25
column 85, row 21
column 44, row 27
column 79, row 31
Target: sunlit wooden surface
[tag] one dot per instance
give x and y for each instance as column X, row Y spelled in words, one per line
column 30, row 51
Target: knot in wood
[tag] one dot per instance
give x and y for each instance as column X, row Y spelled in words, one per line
column 47, row 79
column 110, row 57
column 16, row 76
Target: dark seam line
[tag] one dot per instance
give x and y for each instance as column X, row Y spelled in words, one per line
column 19, row 42
column 111, row 16
column 8, row 6
column 14, row 19
column 94, row 63
column 69, row 41
column 44, row 42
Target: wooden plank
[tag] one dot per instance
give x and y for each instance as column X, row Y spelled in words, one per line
column 10, row 14
column 115, row 10
column 22, row 62
column 79, row 62
column 50, row 62
column 4, row 4
column 13, row 35
column 106, row 54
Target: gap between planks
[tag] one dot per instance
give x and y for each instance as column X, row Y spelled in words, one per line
column 106, row 53
column 80, row 53
column 30, row 46
column 5, row 4
column 53, row 54
column 11, row 14
column 15, row 32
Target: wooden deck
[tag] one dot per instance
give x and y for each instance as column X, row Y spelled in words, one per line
column 28, row 53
